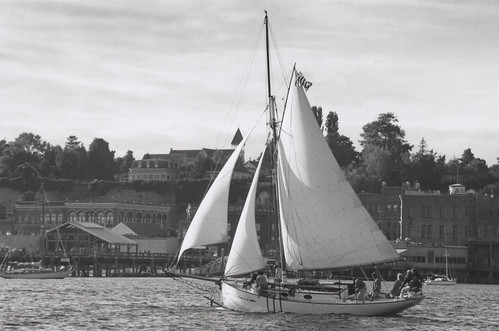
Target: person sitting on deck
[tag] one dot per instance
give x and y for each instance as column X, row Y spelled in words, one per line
column 416, row 283
column 407, row 280
column 262, row 283
column 277, row 275
column 360, row 289
column 397, row 286
column 376, row 286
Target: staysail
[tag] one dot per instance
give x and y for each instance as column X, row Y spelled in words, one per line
column 245, row 255
column 209, row 225
column 323, row 222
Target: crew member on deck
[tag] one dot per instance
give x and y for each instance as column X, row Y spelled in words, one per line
column 262, row 282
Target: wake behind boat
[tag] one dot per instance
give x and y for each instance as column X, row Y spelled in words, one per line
column 321, row 222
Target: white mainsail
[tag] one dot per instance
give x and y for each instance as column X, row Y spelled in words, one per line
column 323, row 222
column 245, row 255
column 209, row 225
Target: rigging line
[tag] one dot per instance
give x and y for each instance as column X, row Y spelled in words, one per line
column 236, row 101
column 191, row 284
column 278, row 53
column 55, row 225
column 174, row 261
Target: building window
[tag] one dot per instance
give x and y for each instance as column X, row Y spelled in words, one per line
column 480, row 231
column 423, row 231
column 430, row 212
column 441, row 232
column 100, row 218
column 454, row 231
column 442, row 211
column 429, row 232
column 423, row 212
column 109, row 219
column 490, row 231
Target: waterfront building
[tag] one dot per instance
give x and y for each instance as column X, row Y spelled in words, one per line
column 151, row 239
column 28, row 221
column 87, row 239
column 427, row 226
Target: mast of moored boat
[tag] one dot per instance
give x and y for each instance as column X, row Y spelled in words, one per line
column 42, row 244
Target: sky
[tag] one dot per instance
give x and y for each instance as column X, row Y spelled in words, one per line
column 149, row 76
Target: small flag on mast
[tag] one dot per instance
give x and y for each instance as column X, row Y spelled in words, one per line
column 301, row 81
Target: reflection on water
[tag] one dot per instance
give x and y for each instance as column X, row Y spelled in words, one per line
column 167, row 304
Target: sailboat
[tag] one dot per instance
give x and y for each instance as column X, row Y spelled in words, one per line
column 322, row 223
column 33, row 269
column 445, row 280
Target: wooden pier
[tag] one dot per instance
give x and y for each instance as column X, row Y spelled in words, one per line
column 113, row 265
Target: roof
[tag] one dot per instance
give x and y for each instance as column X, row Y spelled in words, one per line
column 97, row 231
column 145, row 229
column 188, row 153
column 238, row 137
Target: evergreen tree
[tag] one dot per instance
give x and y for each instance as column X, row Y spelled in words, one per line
column 341, row 146
column 72, row 159
column 100, row 160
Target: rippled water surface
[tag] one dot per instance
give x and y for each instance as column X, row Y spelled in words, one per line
column 168, row 304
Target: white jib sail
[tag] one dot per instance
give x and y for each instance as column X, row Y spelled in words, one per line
column 324, row 224
column 209, row 225
column 245, row 255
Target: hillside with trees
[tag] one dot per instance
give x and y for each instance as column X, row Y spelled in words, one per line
column 385, row 156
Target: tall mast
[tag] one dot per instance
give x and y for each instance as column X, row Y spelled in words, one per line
column 272, row 120
column 273, row 155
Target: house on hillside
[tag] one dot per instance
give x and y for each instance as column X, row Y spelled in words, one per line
column 158, row 167
column 177, row 164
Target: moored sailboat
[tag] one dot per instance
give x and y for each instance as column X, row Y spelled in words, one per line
column 444, row 280
column 322, row 223
column 12, row 269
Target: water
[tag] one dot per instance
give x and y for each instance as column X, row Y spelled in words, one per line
column 167, row 304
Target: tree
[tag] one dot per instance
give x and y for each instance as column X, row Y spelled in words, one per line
column 14, row 156
column 100, row 160
column 341, row 146
column 27, row 147
column 386, row 135
column 467, row 157
column 384, row 132
column 427, row 167
column 318, row 115
column 123, row 164
column 72, row 160
column 31, row 143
